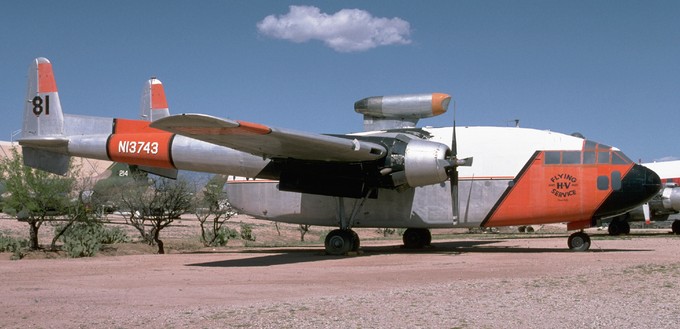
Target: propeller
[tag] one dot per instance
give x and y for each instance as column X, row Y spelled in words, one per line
column 452, row 171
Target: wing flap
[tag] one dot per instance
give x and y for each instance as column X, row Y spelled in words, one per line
column 269, row 142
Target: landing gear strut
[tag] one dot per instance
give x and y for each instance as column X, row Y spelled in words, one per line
column 416, row 238
column 343, row 240
column 579, row 241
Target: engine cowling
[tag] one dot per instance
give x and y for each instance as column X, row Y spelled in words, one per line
column 425, row 163
column 417, row 162
column 670, row 198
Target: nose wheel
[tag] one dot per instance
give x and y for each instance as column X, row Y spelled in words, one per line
column 579, row 241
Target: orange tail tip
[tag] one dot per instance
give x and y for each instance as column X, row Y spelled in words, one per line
column 158, row 100
column 46, row 82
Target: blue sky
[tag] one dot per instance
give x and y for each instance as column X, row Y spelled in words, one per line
column 607, row 69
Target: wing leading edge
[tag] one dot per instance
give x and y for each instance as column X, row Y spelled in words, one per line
column 269, row 142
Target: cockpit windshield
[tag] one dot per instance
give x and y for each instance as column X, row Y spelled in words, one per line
column 592, row 153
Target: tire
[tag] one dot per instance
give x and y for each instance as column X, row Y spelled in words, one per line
column 579, row 241
column 676, row 226
column 338, row 242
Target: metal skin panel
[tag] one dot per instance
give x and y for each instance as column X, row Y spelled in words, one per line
column 195, row 155
column 426, row 207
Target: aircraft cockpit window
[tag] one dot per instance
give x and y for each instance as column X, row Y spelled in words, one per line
column 590, row 145
column 603, row 157
column 589, row 157
column 552, row 157
column 571, row 157
column 619, row 158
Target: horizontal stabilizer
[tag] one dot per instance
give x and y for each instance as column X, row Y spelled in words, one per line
column 55, row 163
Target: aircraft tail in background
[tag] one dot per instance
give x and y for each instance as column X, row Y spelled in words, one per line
column 42, row 135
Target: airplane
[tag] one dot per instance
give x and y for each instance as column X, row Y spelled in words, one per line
column 392, row 175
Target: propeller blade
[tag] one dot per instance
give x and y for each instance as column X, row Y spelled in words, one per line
column 453, row 173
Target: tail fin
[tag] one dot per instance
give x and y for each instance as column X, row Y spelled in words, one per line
column 42, row 138
column 154, row 104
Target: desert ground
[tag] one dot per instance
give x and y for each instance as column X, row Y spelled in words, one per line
column 464, row 280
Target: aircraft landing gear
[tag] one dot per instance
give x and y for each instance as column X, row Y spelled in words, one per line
column 618, row 226
column 343, row 240
column 579, row 241
column 676, row 226
column 340, row 242
column 416, row 238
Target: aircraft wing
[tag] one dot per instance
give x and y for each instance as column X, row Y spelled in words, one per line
column 269, row 142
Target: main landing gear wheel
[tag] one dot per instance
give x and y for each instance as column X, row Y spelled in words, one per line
column 618, row 227
column 416, row 238
column 579, row 241
column 676, row 226
column 340, row 242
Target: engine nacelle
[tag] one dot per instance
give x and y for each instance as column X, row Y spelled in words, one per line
column 404, row 106
column 425, row 163
column 670, row 198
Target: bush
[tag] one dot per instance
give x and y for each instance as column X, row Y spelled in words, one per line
column 112, row 235
column 13, row 245
column 9, row 211
column 222, row 237
column 85, row 239
column 82, row 239
column 247, row 232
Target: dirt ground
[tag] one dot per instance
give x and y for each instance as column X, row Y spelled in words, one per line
column 462, row 281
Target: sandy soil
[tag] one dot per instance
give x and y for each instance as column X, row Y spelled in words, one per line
column 464, row 281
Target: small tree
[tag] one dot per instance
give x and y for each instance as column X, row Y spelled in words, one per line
column 155, row 207
column 304, row 228
column 212, row 203
column 36, row 195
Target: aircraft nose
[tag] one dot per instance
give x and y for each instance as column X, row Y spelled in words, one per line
column 638, row 186
column 641, row 183
column 652, row 181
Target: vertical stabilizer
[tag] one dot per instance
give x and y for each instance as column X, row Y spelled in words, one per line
column 42, row 112
column 154, row 104
column 42, row 135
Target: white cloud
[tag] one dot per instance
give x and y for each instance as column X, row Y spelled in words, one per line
column 347, row 30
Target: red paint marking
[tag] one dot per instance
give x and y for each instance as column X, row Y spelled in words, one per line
column 158, row 100
column 126, row 126
column 244, row 129
column 554, row 193
column 146, row 149
column 46, row 83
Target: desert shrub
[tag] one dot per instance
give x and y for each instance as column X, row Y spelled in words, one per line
column 9, row 211
column 83, row 239
column 112, row 235
column 13, row 245
column 86, row 238
column 247, row 232
column 222, row 237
